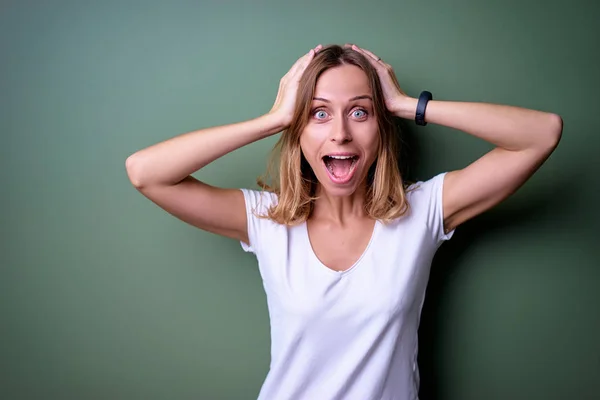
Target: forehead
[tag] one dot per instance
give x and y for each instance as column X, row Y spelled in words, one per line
column 344, row 81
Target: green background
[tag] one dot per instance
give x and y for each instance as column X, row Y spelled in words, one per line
column 105, row 296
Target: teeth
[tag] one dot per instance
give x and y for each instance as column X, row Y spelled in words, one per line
column 341, row 157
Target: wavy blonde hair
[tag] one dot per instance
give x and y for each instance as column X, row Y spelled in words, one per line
column 295, row 183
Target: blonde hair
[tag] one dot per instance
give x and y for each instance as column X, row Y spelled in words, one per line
column 296, row 184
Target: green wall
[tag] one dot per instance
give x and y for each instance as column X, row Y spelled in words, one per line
column 105, row 296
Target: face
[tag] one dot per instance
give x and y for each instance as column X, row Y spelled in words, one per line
column 341, row 139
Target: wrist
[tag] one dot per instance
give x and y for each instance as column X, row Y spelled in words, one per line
column 406, row 108
column 276, row 121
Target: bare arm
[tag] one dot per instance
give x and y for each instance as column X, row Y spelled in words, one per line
column 171, row 161
column 524, row 139
column 162, row 172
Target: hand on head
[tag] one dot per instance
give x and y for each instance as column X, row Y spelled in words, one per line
column 393, row 93
column 288, row 87
column 284, row 105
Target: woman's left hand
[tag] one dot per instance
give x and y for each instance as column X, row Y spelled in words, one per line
column 396, row 101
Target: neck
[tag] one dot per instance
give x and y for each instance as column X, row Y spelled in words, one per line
column 339, row 209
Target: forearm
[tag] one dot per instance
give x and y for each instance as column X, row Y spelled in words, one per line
column 509, row 127
column 171, row 161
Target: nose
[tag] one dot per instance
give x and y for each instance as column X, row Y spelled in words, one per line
column 340, row 132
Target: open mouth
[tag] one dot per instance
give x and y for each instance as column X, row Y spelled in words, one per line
column 340, row 167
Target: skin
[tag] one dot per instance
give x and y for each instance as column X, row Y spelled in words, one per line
column 340, row 124
column 523, row 140
column 341, row 120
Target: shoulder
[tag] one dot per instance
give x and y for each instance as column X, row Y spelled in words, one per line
column 425, row 190
column 426, row 205
column 258, row 201
column 260, row 228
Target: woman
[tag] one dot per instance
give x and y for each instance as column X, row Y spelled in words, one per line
column 344, row 247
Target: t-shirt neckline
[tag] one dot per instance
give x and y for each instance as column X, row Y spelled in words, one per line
column 329, row 270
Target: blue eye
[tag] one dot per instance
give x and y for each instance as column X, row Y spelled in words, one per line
column 359, row 113
column 320, row 114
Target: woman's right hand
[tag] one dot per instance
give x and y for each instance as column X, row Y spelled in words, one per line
column 285, row 103
column 162, row 172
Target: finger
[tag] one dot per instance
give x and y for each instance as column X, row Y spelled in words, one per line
column 366, row 52
column 300, row 62
column 307, row 58
column 372, row 58
column 300, row 65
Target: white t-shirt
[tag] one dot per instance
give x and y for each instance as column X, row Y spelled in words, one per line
column 348, row 335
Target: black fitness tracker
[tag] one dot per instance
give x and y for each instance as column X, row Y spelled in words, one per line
column 421, row 106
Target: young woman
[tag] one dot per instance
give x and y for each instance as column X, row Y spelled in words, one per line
column 344, row 246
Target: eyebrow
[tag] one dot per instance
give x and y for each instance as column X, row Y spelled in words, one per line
column 364, row 96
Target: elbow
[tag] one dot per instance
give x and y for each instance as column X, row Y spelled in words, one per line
column 549, row 133
column 554, row 130
column 133, row 168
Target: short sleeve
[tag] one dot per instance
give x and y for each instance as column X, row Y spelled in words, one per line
column 426, row 199
column 257, row 204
